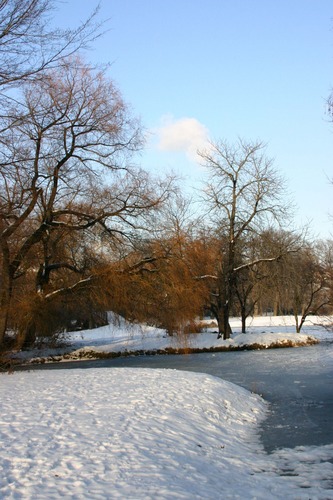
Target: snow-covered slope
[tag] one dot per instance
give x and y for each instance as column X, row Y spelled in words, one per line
column 124, row 433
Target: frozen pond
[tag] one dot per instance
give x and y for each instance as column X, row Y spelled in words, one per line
column 298, row 382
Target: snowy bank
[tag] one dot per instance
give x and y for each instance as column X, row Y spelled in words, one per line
column 121, row 433
column 121, row 338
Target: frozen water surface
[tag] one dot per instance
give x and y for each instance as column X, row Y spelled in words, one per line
column 298, row 382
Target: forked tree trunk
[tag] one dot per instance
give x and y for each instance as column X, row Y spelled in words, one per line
column 223, row 307
column 223, row 323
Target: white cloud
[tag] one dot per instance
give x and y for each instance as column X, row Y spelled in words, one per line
column 185, row 134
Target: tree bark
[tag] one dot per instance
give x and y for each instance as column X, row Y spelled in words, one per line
column 222, row 316
column 5, row 292
column 4, row 312
column 243, row 315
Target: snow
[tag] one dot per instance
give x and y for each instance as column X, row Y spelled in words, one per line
column 144, row 434
column 122, row 337
column 132, row 433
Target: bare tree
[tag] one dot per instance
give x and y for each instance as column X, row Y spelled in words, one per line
column 28, row 45
column 307, row 281
column 64, row 168
column 243, row 197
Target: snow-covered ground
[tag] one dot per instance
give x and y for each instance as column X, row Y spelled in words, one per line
column 121, row 337
column 124, row 433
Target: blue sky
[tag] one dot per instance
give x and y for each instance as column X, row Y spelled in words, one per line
column 258, row 69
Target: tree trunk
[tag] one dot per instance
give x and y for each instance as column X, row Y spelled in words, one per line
column 3, row 323
column 298, row 329
column 243, row 315
column 223, row 323
column 5, row 300
column 276, row 307
column 223, row 312
column 26, row 337
column 301, row 323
